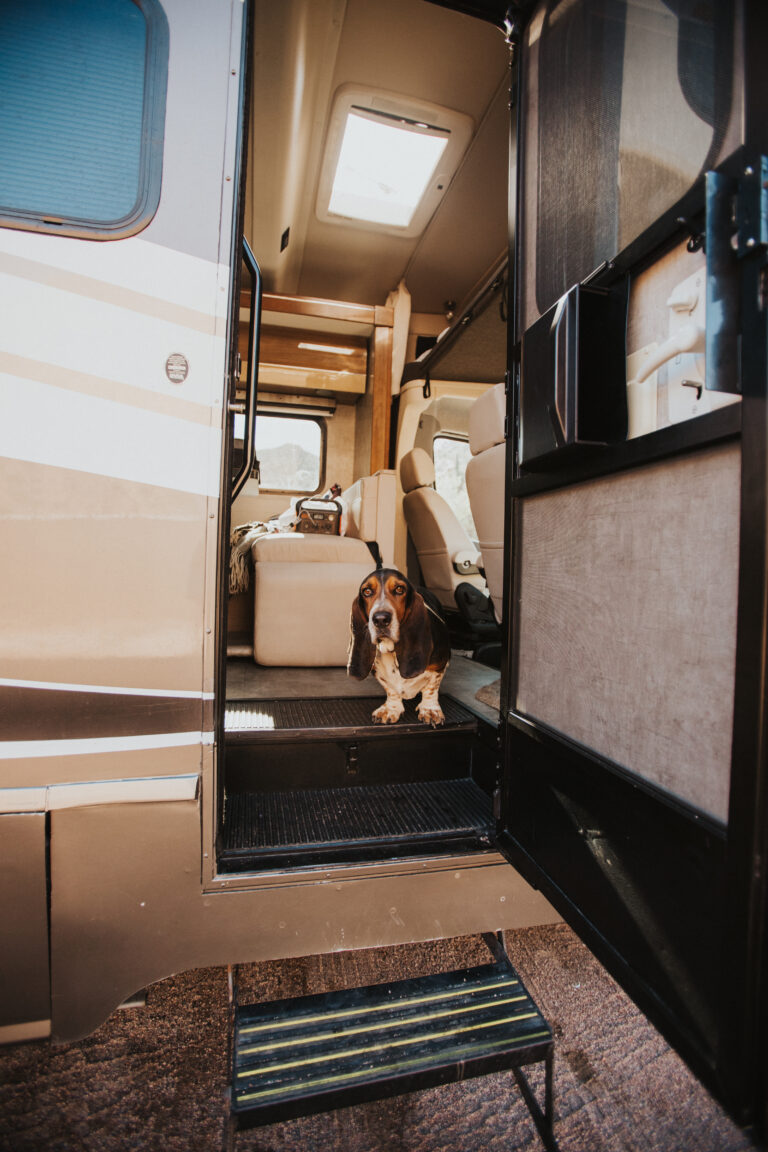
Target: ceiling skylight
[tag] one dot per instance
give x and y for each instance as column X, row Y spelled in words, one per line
column 384, row 167
column 388, row 160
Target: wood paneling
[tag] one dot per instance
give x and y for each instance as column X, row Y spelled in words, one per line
column 382, row 398
column 283, row 346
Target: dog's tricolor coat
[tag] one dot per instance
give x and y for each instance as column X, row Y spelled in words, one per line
column 403, row 641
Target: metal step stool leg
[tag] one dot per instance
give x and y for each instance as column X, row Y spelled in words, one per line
column 544, row 1120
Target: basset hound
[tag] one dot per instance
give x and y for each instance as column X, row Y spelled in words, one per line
column 405, row 642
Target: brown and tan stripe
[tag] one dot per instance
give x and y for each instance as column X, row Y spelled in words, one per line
column 47, row 713
column 107, row 293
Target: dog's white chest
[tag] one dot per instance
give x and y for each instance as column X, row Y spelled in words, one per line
column 386, row 671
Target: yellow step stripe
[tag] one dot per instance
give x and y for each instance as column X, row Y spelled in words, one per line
column 328, row 1056
column 317, row 1036
column 400, row 1066
column 343, row 1013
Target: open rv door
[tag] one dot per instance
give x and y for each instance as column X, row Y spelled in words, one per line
column 633, row 701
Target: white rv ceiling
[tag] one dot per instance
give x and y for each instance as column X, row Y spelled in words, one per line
column 304, row 50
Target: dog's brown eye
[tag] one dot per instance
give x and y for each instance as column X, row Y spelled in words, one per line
column 399, row 590
column 367, row 591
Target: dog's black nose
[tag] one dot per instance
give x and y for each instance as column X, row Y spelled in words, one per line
column 382, row 619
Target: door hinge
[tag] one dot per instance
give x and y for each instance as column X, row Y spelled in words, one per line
column 497, row 803
column 752, row 208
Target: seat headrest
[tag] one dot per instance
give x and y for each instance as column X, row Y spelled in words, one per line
column 486, row 419
column 416, row 470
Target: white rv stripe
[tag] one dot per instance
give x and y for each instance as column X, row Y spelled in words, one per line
column 86, row 793
column 33, row 749
column 45, row 425
column 108, row 343
column 137, row 266
column 93, row 289
column 112, row 690
column 140, row 791
column 85, row 383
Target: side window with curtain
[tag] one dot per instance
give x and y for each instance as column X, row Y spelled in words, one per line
column 82, row 111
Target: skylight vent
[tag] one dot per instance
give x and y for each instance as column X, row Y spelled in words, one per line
column 388, row 160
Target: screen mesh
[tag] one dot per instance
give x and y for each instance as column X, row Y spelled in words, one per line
column 627, row 619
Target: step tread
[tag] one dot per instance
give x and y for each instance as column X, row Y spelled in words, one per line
column 327, row 816
column 292, row 1057
column 333, row 718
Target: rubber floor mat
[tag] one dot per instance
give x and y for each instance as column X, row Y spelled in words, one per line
column 330, row 816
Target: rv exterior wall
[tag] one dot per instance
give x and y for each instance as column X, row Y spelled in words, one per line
column 130, row 889
column 111, row 469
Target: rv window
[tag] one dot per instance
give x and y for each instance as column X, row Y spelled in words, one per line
column 291, row 453
column 451, row 457
column 83, row 106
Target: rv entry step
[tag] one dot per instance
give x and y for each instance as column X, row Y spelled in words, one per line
column 334, row 718
column 312, row 781
column 297, row 1057
column 362, row 821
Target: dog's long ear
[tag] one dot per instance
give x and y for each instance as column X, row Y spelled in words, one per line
column 414, row 647
column 361, row 650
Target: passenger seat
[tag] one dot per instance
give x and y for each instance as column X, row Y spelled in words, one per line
column 486, row 485
column 447, row 556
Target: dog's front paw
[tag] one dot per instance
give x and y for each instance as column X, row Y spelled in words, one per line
column 389, row 713
column 431, row 714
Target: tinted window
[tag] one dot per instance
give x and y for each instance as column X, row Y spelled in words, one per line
column 82, row 101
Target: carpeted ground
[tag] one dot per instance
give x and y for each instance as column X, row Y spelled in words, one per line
column 155, row 1078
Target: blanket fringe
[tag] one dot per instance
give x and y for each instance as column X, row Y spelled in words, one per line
column 240, row 541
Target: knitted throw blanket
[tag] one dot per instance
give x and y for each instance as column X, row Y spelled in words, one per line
column 240, row 541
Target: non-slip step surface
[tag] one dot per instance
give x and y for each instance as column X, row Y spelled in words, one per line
column 330, row 816
column 294, row 1057
column 334, row 718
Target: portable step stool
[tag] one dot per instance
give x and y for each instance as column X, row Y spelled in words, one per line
column 313, row 1054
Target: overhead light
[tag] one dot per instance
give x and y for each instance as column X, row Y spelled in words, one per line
column 326, row 348
column 388, row 160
